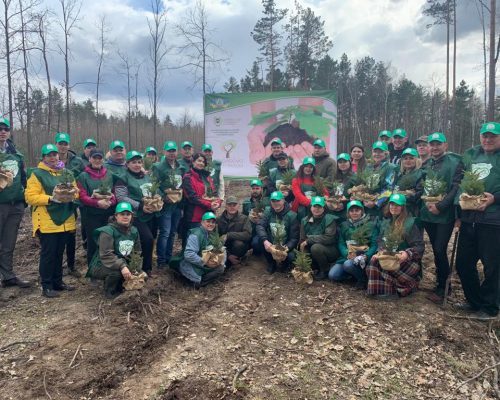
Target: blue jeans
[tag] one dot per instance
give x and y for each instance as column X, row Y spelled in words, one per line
column 257, row 247
column 167, row 224
column 341, row 272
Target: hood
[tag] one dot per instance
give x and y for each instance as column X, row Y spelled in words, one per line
column 110, row 161
column 95, row 173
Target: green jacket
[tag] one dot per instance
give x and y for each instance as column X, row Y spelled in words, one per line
column 326, row 167
column 266, row 227
column 137, row 187
column 488, row 167
column 236, row 228
column 162, row 170
column 386, row 173
column 347, row 228
column 322, row 230
column 249, row 204
column 413, row 180
column 90, row 185
column 271, row 162
column 14, row 193
column 449, row 168
column 74, row 163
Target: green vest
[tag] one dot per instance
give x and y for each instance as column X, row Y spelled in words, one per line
column 276, row 175
column 386, row 172
column 270, row 163
column 249, row 205
column 123, row 243
column 289, row 218
column 117, row 170
column 59, row 212
column 408, row 225
column 318, row 226
column 202, row 237
column 347, row 229
column 137, row 189
column 75, row 164
column 161, row 170
column 90, row 185
column 15, row 192
column 215, row 170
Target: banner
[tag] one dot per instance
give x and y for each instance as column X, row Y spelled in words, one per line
column 241, row 126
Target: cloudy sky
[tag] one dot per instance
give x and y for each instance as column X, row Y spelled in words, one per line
column 389, row 30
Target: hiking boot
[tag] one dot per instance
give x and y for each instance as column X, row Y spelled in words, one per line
column 75, row 273
column 63, row 286
column 321, row 276
column 16, row 282
column 465, row 307
column 51, row 294
column 271, row 269
column 482, row 316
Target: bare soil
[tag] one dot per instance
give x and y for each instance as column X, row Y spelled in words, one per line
column 249, row 336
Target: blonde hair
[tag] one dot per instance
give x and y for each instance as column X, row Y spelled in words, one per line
column 418, row 165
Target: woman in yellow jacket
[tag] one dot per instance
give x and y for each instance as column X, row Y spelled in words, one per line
column 53, row 217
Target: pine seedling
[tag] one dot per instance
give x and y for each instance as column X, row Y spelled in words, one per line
column 361, row 235
column 66, row 178
column 335, row 188
column 434, row 186
column 392, row 239
column 3, row 158
column 134, row 261
column 262, row 171
column 215, row 241
column 287, row 177
column 319, row 185
column 171, row 181
column 471, row 184
column 148, row 163
column 104, row 187
column 303, row 261
column 405, row 182
column 210, row 192
column 259, row 207
column 154, row 187
column 279, row 233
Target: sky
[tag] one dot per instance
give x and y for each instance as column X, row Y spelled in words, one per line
column 393, row 31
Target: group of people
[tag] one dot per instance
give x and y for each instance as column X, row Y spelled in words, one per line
column 134, row 203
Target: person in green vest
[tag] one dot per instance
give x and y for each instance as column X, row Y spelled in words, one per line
column 256, row 199
column 318, row 236
column 401, row 228
column 115, row 242
column 95, row 211
column 480, row 230
column 150, row 157
column 116, row 161
column 131, row 187
column 215, row 168
column 439, row 218
column 276, row 150
column 53, row 220
column 278, row 213
column 11, row 206
column 325, row 165
column 410, row 180
column 186, row 158
column 89, row 144
column 342, row 182
column 275, row 177
column 353, row 264
column 171, row 213
column 192, row 266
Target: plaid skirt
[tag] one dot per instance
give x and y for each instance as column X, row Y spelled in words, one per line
column 402, row 282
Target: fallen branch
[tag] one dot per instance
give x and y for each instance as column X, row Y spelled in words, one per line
column 5, row 348
column 74, row 356
column 325, row 299
column 45, row 385
column 240, row 370
column 477, row 375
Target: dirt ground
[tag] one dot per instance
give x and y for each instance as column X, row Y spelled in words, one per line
column 249, row 336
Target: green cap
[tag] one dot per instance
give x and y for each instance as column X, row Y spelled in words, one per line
column 256, row 182
column 231, row 200
column 436, row 136
column 133, row 154
column 62, row 137
column 208, row 215
column 399, row 132
column 88, row 141
column 320, row 143
column 385, row 133
column 5, row 122
column 410, row 151
column 492, row 127
column 123, row 206
column 277, row 196
column 116, row 143
column 318, row 201
column 276, row 141
column 49, row 148
column 380, row 145
column 344, row 156
column 169, row 145
column 186, row 143
column 399, row 199
column 355, row 203
column 151, row 148
column 309, row 160
column 206, row 146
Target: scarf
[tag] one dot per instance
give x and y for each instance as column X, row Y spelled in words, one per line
column 359, row 222
column 58, row 167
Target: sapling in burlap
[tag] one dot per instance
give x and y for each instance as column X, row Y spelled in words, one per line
column 360, row 239
column 134, row 264
column 366, row 186
column 173, row 192
column 278, row 248
column 388, row 257
column 152, row 199
column 302, row 271
column 215, row 250
column 472, row 196
column 256, row 213
column 285, row 183
column 405, row 185
column 65, row 191
column 6, row 176
column 434, row 188
column 103, row 192
column 335, row 194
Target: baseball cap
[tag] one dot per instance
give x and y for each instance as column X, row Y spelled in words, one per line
column 309, row 160
column 399, row 199
column 123, row 206
column 206, row 146
column 281, row 156
column 318, row 201
column 151, row 148
column 422, row 138
column 169, row 145
column 116, row 143
column 186, row 143
column 277, row 196
column 344, row 156
column 208, row 215
column 133, row 154
column 96, row 152
column 256, row 182
column 355, row 203
column 276, row 141
column 399, row 132
column 410, row 151
column 5, row 122
column 385, row 133
column 49, row 148
column 62, row 137
column 320, row 143
column 380, row 145
column 436, row 136
column 492, row 127
column 88, row 141
column 231, row 200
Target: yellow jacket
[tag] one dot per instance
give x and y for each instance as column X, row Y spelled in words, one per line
column 35, row 196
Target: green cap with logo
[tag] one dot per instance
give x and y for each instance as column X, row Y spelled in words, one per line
column 123, row 206
column 410, row 151
column 399, row 132
column 276, row 141
column 385, row 133
column 492, row 127
column 151, row 149
column 186, row 143
column 320, row 143
column 169, row 145
column 88, row 141
column 62, row 137
column 277, row 196
column 380, row 145
column 399, row 199
column 436, row 136
column 256, row 182
column 116, row 143
column 49, row 148
column 133, row 154
column 206, row 146
column 208, row 215
column 355, row 203
column 318, row 201
column 310, row 161
column 5, row 121
column 344, row 156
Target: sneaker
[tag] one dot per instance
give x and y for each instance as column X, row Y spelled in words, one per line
column 63, row 286
column 464, row 307
column 49, row 293
column 482, row 316
column 271, row 269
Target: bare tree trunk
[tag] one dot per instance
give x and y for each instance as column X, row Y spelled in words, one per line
column 136, row 104
column 454, row 62
column 42, row 33
column 6, row 29
column 493, row 61
column 446, row 118
column 102, row 43
column 485, row 68
column 26, row 78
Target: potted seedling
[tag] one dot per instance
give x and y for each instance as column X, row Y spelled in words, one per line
column 302, row 271
column 103, row 192
column 215, row 250
column 279, row 251
column 65, row 191
column 360, row 239
column 405, row 186
column 388, row 257
column 434, row 188
column 134, row 264
column 335, row 194
column 285, row 183
column 6, row 175
column 366, row 187
column 152, row 199
column 472, row 196
column 173, row 191
column 256, row 213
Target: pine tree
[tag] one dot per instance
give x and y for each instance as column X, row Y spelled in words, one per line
column 471, row 184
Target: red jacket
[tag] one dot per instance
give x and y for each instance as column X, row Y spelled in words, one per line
column 300, row 198
column 194, row 189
